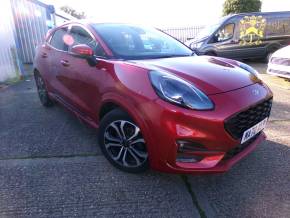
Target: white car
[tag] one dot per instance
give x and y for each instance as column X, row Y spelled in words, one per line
column 279, row 63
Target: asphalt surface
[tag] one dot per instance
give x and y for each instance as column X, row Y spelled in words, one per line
column 51, row 166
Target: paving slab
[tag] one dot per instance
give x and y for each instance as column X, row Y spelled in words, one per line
column 30, row 130
column 88, row 187
column 51, row 166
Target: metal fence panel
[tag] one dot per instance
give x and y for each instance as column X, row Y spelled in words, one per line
column 183, row 34
column 30, row 24
column 8, row 54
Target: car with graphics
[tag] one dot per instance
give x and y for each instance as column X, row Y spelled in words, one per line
column 154, row 102
column 244, row 36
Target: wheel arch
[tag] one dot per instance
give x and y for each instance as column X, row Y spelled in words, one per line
column 112, row 101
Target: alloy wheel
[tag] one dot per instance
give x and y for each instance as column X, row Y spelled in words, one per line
column 125, row 144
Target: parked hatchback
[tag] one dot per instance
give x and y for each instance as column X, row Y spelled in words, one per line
column 279, row 63
column 154, row 102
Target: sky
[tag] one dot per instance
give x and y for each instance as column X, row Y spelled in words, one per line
column 159, row 13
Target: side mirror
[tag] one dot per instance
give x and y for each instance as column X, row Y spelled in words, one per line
column 86, row 52
column 82, row 50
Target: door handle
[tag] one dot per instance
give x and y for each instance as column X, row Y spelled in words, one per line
column 44, row 55
column 64, row 63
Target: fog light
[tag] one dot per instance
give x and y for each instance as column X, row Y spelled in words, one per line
column 189, row 146
column 186, row 151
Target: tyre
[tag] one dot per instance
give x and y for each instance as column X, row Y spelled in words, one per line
column 122, row 143
column 42, row 91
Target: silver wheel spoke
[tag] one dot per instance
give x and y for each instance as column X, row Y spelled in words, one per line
column 124, row 157
column 112, row 139
column 112, row 145
column 137, row 141
column 122, row 129
column 137, row 130
column 135, row 157
column 117, row 130
column 139, row 153
column 119, row 154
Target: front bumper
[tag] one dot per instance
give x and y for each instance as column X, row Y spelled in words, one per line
column 169, row 123
column 279, row 70
column 216, row 164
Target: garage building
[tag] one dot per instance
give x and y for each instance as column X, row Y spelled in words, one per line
column 23, row 25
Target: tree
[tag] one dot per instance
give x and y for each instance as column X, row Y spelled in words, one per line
column 241, row 6
column 69, row 10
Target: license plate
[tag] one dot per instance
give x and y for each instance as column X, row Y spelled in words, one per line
column 250, row 133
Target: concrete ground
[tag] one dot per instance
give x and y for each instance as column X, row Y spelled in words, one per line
column 51, row 166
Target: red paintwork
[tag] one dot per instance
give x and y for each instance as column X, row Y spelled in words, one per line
column 84, row 90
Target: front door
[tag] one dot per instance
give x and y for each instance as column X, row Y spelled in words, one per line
column 225, row 42
column 79, row 78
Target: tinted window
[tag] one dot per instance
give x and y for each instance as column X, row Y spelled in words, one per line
column 225, row 33
column 134, row 42
column 57, row 39
column 276, row 26
column 81, row 36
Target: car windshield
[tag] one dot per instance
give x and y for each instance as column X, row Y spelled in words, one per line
column 134, row 42
column 207, row 31
column 210, row 29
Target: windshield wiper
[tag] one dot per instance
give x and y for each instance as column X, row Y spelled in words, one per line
column 172, row 56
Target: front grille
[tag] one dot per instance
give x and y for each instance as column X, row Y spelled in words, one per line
column 239, row 123
column 239, row 148
column 280, row 61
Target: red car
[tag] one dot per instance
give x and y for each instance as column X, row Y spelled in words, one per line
column 154, row 102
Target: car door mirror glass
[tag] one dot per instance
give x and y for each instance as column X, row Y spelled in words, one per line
column 82, row 50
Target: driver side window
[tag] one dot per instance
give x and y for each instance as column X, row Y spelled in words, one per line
column 81, row 36
column 225, row 33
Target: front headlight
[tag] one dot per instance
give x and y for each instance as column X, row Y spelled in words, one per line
column 178, row 91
